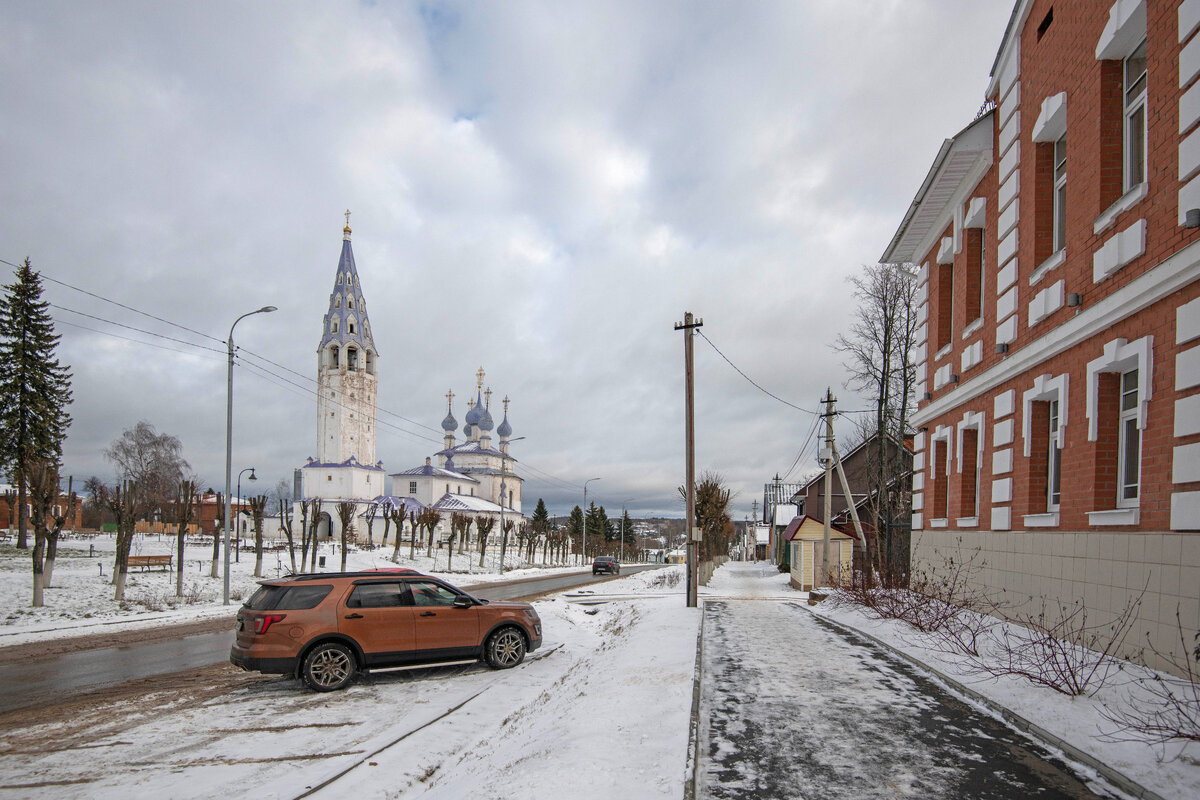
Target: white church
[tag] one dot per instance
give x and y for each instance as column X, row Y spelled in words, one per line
column 470, row 476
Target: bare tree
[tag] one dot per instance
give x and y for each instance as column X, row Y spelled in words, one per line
column 286, row 518
column 258, row 506
column 218, row 529
column 484, row 524
column 42, row 478
column 151, row 459
column 397, row 515
column 121, row 500
column 345, row 511
column 185, row 503
column 372, row 510
column 878, row 359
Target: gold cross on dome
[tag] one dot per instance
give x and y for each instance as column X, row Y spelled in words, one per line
column 479, row 378
column 506, row 405
column 487, row 398
column 347, row 218
column 449, row 399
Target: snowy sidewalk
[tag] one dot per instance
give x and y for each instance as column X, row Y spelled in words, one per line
column 794, row 707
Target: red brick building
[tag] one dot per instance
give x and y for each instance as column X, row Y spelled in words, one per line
column 1058, row 240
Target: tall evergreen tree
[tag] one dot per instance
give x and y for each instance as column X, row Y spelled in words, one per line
column 35, row 389
column 541, row 517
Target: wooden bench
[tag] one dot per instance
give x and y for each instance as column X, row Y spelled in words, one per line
column 146, row 562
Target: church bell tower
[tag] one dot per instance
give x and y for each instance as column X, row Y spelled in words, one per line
column 346, row 363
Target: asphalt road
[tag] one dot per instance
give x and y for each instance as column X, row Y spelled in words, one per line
column 27, row 683
column 794, row 707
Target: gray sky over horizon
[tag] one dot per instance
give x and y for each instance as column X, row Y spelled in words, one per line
column 539, row 188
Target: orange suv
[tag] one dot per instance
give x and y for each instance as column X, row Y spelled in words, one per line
column 325, row 628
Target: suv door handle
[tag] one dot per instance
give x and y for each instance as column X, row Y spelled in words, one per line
column 428, row 613
column 354, row 616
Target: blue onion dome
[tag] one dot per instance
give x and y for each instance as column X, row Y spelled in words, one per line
column 467, row 429
column 485, row 422
column 505, row 429
column 449, row 423
column 476, row 413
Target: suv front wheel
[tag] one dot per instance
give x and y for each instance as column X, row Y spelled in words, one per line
column 505, row 648
column 328, row 667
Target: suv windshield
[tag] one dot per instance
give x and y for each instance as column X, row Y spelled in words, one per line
column 268, row 598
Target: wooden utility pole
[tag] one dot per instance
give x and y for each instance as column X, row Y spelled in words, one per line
column 689, row 323
column 827, row 459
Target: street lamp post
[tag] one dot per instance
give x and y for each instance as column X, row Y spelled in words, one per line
column 237, row 552
column 229, row 436
column 503, row 487
column 583, row 527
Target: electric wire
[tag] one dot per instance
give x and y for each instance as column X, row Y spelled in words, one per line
column 804, row 447
column 131, row 339
column 751, row 380
column 44, row 276
column 266, row 374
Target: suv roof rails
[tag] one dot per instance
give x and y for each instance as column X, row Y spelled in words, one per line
column 324, row 576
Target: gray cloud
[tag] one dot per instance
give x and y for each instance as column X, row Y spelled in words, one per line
column 540, row 188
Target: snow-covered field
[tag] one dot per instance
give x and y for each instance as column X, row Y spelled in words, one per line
column 81, row 597
column 600, row 711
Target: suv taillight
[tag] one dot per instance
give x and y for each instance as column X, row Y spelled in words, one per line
column 262, row 624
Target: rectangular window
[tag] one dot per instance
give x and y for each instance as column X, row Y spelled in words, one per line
column 973, row 246
column 1135, row 117
column 1129, row 449
column 1053, row 462
column 412, row 487
column 1060, row 194
column 945, row 305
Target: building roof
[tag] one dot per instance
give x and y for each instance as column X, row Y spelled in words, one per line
column 346, row 303
column 794, row 528
column 967, row 155
column 464, row 502
column 392, row 502
column 350, row 462
column 473, row 448
column 428, row 470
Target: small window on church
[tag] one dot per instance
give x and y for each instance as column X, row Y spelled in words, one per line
column 349, row 302
column 351, row 359
column 333, row 326
column 337, row 301
column 351, row 327
column 412, row 487
column 472, row 491
column 339, row 279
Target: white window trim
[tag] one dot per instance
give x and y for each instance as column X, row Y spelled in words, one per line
column 1051, row 123
column 976, row 214
column 1124, row 203
column 1047, row 520
column 1045, row 388
column 1056, row 260
column 978, row 422
column 1124, row 31
column 1058, row 198
column 942, row 433
column 1114, row 516
column 1121, row 356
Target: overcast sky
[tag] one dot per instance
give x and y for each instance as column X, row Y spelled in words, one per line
column 541, row 189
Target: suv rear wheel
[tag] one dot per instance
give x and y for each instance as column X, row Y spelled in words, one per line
column 328, row 667
column 504, row 649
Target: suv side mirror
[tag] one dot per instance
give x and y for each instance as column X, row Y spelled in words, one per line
column 462, row 602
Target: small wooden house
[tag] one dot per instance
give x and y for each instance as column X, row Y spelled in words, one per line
column 805, row 539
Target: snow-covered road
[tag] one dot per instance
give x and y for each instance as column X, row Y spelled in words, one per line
column 794, row 707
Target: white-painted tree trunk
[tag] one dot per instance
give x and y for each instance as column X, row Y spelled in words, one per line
column 37, row 589
column 119, row 579
column 48, row 573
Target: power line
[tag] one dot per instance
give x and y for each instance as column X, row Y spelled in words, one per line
column 261, row 371
column 751, row 380
column 115, row 303
column 804, row 447
column 130, row 339
column 131, row 328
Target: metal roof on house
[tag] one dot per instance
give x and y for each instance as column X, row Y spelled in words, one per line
column 463, row 502
column 349, row 462
column 428, row 470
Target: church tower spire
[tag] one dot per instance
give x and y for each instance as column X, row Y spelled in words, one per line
column 346, row 378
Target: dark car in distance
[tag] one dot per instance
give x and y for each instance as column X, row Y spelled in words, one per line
column 606, row 564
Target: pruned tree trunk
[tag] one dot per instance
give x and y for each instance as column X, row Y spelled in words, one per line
column 258, row 506
column 346, row 518
column 218, row 531
column 186, row 503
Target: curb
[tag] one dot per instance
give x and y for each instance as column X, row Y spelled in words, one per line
column 1117, row 779
column 689, row 785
